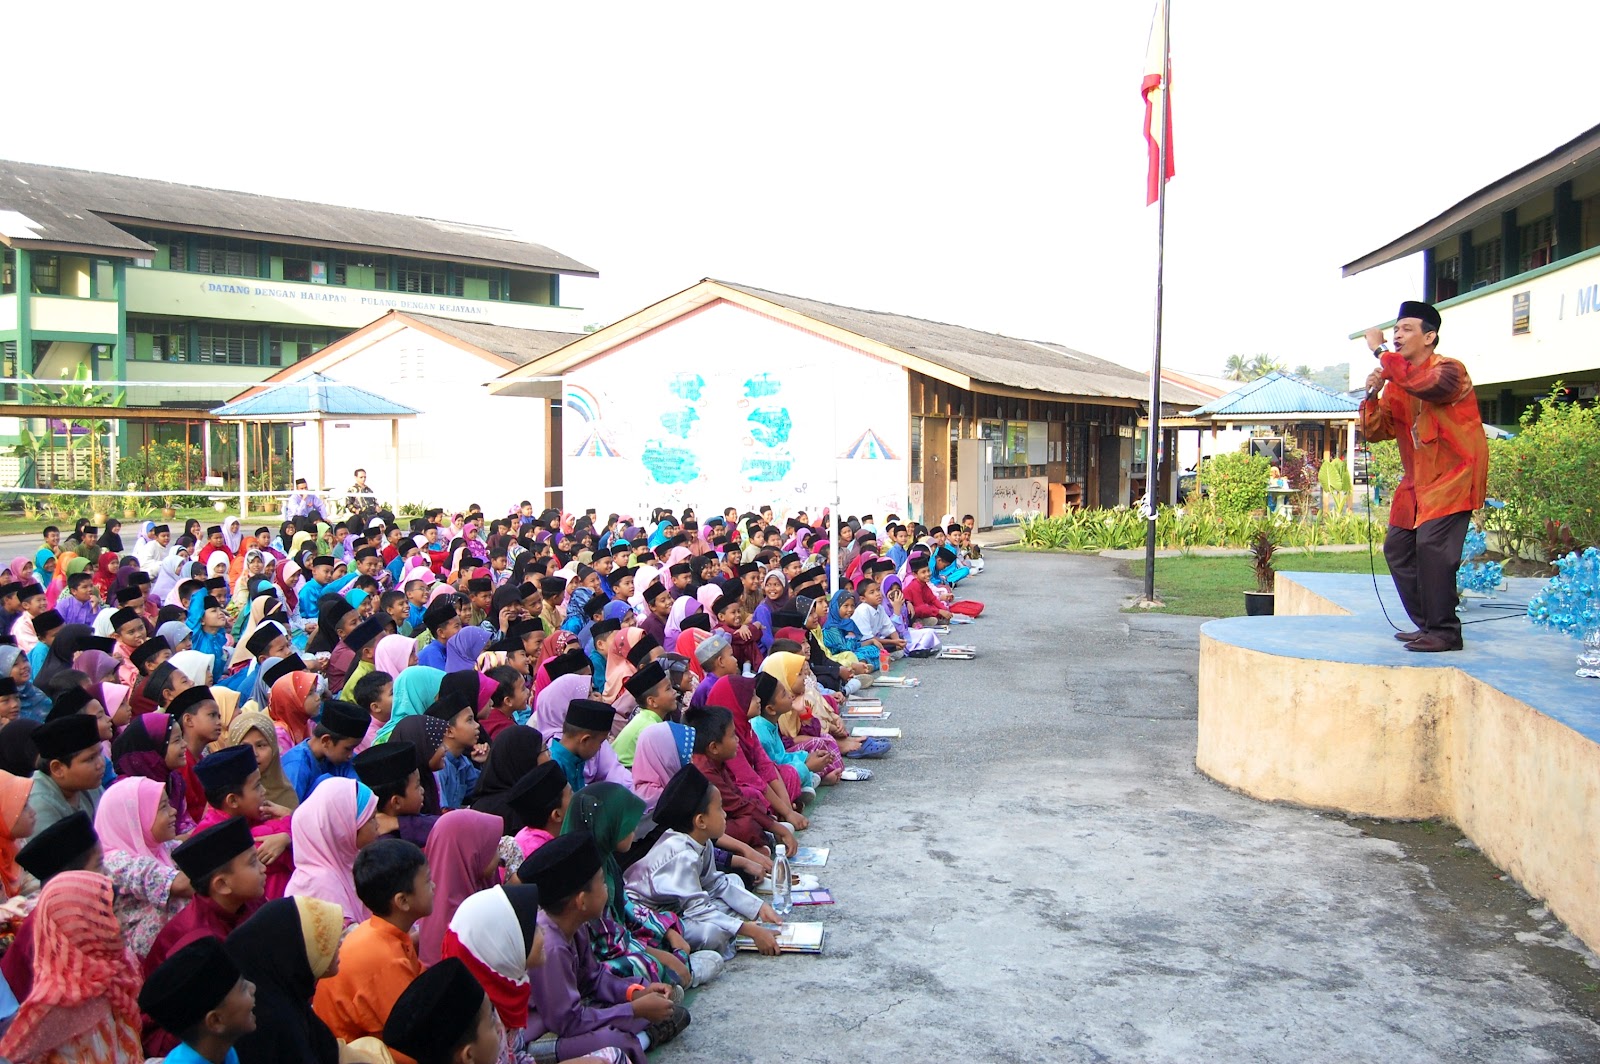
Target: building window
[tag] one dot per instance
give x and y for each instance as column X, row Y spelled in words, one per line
column 424, row 278
column 9, row 368
column 45, row 273
column 1486, row 263
column 1446, row 278
column 477, row 282
column 227, row 256
column 171, row 249
column 1538, row 239
column 158, row 340
column 1589, row 223
column 8, row 270
column 356, row 270
column 288, row 346
column 228, row 345
column 916, row 449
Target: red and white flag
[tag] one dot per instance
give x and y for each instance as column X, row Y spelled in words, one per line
column 1157, row 104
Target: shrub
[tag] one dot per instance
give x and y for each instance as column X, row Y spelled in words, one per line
column 161, row 467
column 1237, row 482
column 1550, row 469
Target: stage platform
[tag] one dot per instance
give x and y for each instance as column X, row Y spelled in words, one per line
column 1320, row 706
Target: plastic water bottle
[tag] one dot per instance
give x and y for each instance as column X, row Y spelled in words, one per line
column 781, row 881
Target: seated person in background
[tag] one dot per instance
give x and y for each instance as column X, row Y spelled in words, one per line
column 678, row 875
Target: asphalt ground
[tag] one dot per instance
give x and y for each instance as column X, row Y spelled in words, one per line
column 1038, row 873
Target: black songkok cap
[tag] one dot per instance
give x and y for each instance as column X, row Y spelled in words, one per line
column 537, row 793
column 436, row 1013
column 637, row 653
column 653, row 591
column 344, row 719
column 680, row 569
column 366, row 552
column 126, row 595
column 586, row 714
column 58, row 846
column 440, row 613
column 227, row 769
column 208, row 850
column 561, row 867
column 156, row 531
column 262, row 637
column 47, row 622
column 766, row 687
column 521, row 628
column 188, row 698
column 645, row 680
column 701, row 621
column 365, row 632
column 479, row 584
column 189, row 984
column 385, row 765
column 681, row 799
column 605, row 627
column 573, row 660
column 26, row 592
column 68, row 702
column 292, row 663
column 749, row 567
column 785, row 561
column 64, row 737
column 145, row 651
column 551, row 586
column 322, row 559
column 1413, row 309
column 214, row 530
column 8, row 686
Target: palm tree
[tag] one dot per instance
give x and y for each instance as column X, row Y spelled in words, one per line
column 1237, row 368
column 1263, row 364
column 1303, row 370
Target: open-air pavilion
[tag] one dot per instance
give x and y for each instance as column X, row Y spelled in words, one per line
column 317, row 399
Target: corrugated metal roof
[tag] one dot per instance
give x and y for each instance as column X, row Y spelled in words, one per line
column 1277, row 393
column 985, row 356
column 518, row 345
column 316, row 395
column 64, row 205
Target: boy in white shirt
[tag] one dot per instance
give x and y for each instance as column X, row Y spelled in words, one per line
column 871, row 619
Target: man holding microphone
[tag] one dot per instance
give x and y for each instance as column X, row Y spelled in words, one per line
column 1425, row 403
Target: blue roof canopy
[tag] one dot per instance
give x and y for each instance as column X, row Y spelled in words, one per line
column 311, row 398
column 1277, row 394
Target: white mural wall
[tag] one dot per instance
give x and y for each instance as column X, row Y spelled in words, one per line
column 726, row 407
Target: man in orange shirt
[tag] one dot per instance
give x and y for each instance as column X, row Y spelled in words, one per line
column 378, row 959
column 1425, row 403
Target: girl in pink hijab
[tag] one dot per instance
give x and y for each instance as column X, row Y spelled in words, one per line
column 395, row 654
column 463, row 858
column 330, row 826
column 138, row 827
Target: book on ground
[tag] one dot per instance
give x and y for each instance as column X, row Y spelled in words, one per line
column 959, row 653
column 809, row 857
column 797, row 882
column 863, row 731
column 811, row 897
column 792, row 938
column 853, row 713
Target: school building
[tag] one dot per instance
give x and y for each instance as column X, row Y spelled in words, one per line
column 1515, row 272
column 148, row 281
column 725, row 392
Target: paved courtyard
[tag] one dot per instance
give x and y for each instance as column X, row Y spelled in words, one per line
column 1038, row 873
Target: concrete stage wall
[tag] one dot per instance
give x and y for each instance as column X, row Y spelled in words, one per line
column 1319, row 706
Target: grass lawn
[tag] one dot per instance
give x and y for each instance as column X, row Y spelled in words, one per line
column 1214, row 587
column 18, row 525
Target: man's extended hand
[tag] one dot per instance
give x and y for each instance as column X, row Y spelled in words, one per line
column 1374, row 339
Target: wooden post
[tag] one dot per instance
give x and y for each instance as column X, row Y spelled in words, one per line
column 244, row 472
column 322, row 457
column 188, row 482
column 394, row 438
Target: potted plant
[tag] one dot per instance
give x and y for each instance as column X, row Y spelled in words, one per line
column 1259, row 603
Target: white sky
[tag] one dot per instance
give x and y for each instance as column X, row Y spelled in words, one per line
column 973, row 163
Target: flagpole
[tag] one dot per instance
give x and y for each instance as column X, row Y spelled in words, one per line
column 1152, row 450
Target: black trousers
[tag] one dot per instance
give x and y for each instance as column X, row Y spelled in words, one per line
column 1423, row 562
